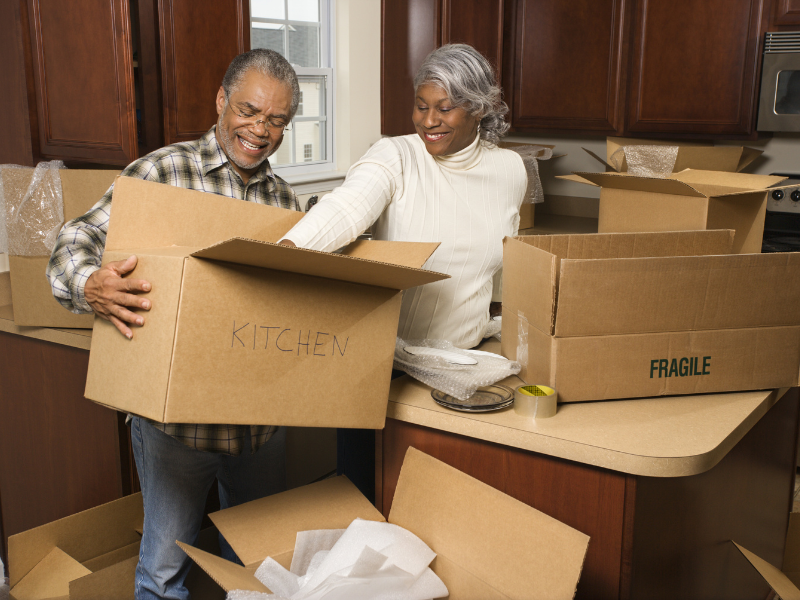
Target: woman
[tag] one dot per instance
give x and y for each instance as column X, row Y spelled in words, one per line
column 447, row 183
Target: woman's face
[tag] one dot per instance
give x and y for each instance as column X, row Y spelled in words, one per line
column 444, row 128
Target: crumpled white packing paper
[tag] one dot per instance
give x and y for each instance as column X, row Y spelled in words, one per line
column 367, row 561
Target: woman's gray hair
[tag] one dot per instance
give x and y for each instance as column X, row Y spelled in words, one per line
column 266, row 62
column 470, row 83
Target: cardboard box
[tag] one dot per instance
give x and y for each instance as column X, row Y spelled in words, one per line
column 783, row 582
column 608, row 316
column 488, row 544
column 92, row 555
column 34, row 305
column 689, row 200
column 243, row 330
column 691, row 155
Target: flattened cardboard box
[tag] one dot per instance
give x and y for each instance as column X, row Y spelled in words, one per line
column 691, row 155
column 490, row 547
column 689, row 200
column 243, row 330
column 91, row 555
column 34, row 305
column 609, row 316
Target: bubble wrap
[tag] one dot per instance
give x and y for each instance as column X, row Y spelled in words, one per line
column 3, row 230
column 646, row 160
column 531, row 155
column 522, row 340
column 34, row 216
column 366, row 561
column 460, row 381
column 3, row 583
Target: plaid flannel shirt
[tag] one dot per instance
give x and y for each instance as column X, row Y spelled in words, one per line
column 199, row 165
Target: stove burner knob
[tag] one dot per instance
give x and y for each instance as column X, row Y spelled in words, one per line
column 777, row 195
column 795, row 196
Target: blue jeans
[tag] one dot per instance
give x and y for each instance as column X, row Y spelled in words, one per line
column 175, row 481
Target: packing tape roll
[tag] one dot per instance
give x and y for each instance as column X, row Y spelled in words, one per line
column 535, row 401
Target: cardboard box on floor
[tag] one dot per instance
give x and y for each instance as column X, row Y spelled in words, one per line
column 91, row 555
column 34, row 304
column 243, row 330
column 611, row 316
column 689, row 200
column 488, row 545
column 691, row 155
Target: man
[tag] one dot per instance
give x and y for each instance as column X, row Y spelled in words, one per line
column 177, row 463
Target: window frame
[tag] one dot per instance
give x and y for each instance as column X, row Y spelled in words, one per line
column 327, row 46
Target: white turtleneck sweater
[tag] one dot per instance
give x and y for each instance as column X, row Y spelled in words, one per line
column 468, row 201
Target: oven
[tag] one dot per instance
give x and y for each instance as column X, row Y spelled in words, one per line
column 782, row 222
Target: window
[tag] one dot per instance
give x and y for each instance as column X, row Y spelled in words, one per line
column 300, row 30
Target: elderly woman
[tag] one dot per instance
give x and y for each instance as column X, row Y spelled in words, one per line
column 447, row 183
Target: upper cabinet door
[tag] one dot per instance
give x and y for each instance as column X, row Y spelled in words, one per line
column 83, row 73
column 199, row 38
column 694, row 66
column 478, row 23
column 567, row 64
column 410, row 30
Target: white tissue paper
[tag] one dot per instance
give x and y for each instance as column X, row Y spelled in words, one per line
column 366, row 561
column 3, row 582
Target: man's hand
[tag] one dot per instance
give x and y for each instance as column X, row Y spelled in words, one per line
column 109, row 293
column 285, row 242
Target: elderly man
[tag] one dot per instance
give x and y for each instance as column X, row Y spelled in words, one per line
column 178, row 462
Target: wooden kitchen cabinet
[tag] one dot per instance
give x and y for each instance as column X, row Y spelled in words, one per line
column 411, row 29
column 694, row 66
column 624, row 67
column 567, row 64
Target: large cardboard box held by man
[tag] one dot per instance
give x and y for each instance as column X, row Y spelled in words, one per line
column 243, row 330
column 488, row 544
column 34, row 305
column 607, row 316
column 685, row 201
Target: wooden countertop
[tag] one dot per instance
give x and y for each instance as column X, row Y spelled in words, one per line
column 670, row 436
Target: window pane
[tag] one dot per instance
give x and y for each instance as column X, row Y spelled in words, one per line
column 304, row 45
column 268, row 9
column 312, row 90
column 304, row 10
column 268, row 35
column 787, row 97
column 309, row 141
column 283, row 156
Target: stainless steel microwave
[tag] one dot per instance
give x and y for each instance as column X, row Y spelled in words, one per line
column 779, row 106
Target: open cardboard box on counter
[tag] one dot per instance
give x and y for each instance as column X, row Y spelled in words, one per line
column 488, row 544
column 243, row 330
column 34, row 305
column 626, row 315
column 689, row 200
column 691, row 155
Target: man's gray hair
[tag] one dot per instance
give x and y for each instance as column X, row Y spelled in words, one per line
column 266, row 62
column 470, row 83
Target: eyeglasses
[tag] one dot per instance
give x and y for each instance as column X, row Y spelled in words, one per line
column 276, row 126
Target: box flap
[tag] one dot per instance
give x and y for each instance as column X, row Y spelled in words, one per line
column 748, row 156
column 150, row 215
column 709, row 158
column 83, row 536
column 229, row 576
column 83, row 188
column 320, row 264
column 530, row 276
column 329, row 504
column 791, row 554
column 775, row 578
column 514, row 548
column 597, row 158
column 5, row 288
column 116, row 581
column 406, row 254
column 576, row 179
column 736, row 181
column 50, row 578
column 654, row 185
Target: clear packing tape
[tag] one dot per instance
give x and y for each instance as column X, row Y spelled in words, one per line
column 34, row 211
column 459, row 381
column 367, row 561
column 531, row 155
column 646, row 160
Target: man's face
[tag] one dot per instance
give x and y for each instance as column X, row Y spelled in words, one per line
column 258, row 97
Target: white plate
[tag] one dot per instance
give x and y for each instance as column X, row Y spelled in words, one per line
column 452, row 357
column 486, row 354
